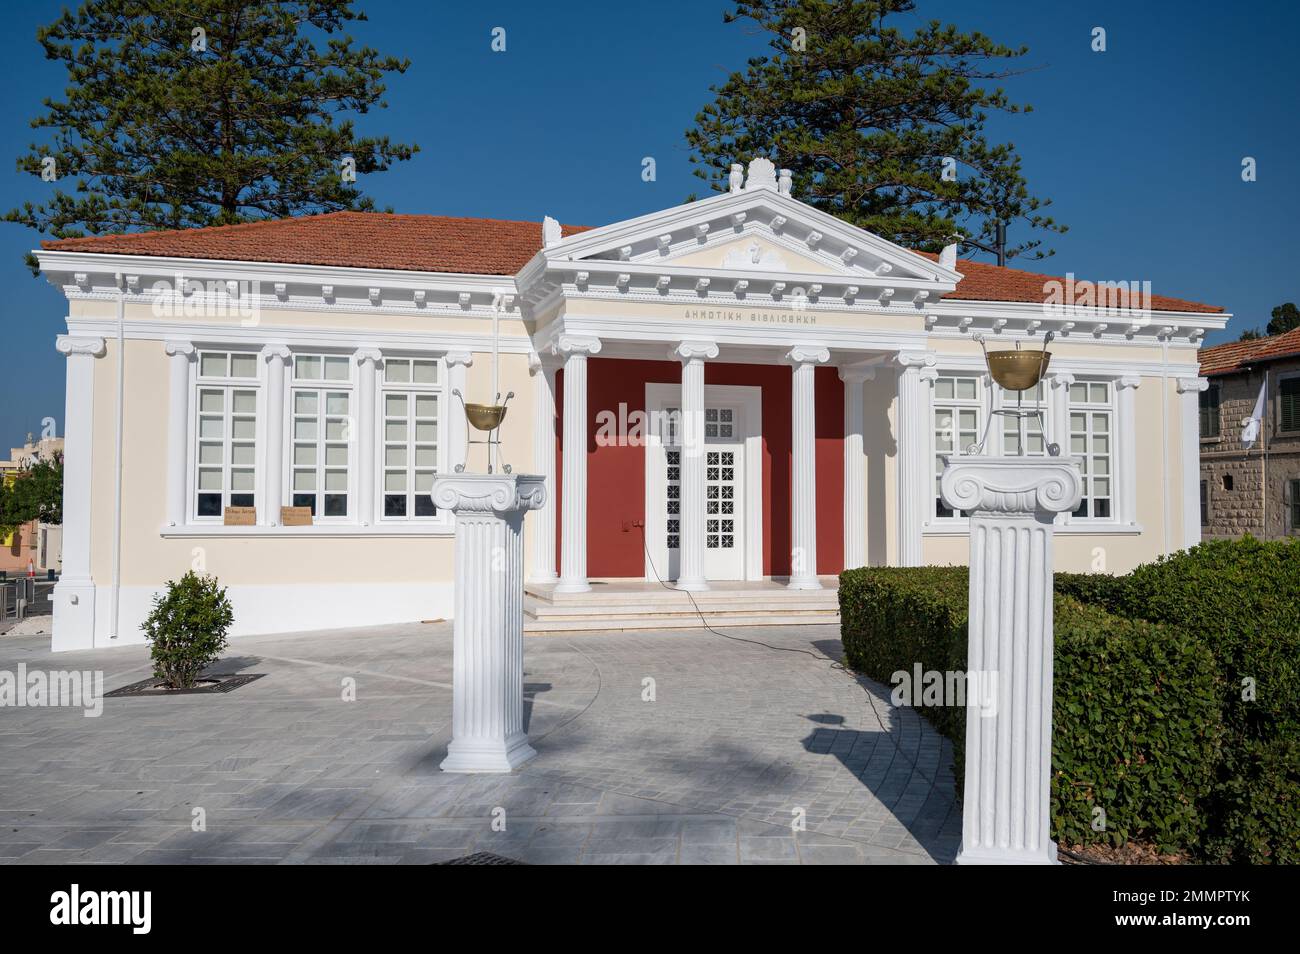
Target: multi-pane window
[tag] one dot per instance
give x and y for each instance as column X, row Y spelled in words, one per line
column 321, row 434
column 226, row 430
column 1205, row 503
column 673, row 504
column 719, row 422
column 1288, row 399
column 719, row 499
column 957, row 413
column 1209, row 411
column 1091, row 440
column 1024, row 434
column 410, row 403
column 1294, row 507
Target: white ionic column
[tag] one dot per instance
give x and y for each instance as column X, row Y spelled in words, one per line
column 1126, row 423
column 1006, row 812
column 487, row 715
column 542, row 534
column 692, row 355
column 457, row 425
column 913, row 426
column 573, row 506
column 855, row 466
column 1189, row 401
column 803, row 466
column 74, row 594
column 368, row 360
column 277, row 358
column 180, row 355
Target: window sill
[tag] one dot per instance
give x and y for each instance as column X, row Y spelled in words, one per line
column 317, row 531
column 962, row 529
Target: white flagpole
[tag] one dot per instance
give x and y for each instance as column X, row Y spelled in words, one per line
column 1263, row 461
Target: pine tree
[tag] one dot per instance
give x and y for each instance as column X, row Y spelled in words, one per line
column 881, row 129
column 184, row 113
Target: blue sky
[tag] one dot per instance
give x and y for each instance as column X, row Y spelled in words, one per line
column 1139, row 148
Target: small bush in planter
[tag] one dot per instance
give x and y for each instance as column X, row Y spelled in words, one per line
column 187, row 629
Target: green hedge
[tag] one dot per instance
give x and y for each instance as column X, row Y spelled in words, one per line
column 1136, row 724
column 1098, row 589
column 1241, row 599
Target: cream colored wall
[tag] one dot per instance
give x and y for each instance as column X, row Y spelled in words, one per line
column 714, row 255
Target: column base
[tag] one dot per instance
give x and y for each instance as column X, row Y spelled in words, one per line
column 540, row 579
column 573, row 586
column 500, row 756
column 1008, row 856
column 693, row 586
column 74, row 614
column 804, row 583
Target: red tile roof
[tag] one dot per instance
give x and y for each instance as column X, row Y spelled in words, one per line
column 422, row 243
column 433, row 243
column 1235, row 354
column 987, row 282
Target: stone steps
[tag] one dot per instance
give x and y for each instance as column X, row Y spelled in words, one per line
column 650, row 608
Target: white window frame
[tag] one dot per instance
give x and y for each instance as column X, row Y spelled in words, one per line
column 383, row 388
column 980, row 405
column 1007, row 399
column 227, row 384
column 1067, row 450
column 321, row 386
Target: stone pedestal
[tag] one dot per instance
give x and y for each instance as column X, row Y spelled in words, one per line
column 1011, row 502
column 487, row 725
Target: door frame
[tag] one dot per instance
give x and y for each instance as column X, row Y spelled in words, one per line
column 750, row 399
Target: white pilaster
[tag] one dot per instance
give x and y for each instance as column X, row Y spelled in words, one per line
column 368, row 360
column 1058, row 410
column 573, row 533
column 487, row 721
column 74, row 594
column 1006, row 815
column 457, row 425
column 1126, row 460
column 542, row 534
column 692, row 355
column 1189, row 391
column 913, row 427
column 277, row 358
column 855, row 466
column 803, row 466
column 180, row 355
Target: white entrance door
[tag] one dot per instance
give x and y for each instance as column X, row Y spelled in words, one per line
column 732, row 476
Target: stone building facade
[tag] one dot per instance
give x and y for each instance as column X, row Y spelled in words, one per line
column 1255, row 490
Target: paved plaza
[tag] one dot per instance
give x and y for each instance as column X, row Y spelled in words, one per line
column 653, row 747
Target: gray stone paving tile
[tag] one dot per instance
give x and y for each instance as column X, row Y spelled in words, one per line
column 709, row 773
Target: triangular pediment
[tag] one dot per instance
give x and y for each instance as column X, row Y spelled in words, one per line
column 760, row 230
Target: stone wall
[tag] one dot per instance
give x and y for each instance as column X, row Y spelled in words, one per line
column 1241, row 508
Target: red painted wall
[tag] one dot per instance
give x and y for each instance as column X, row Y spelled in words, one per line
column 616, row 474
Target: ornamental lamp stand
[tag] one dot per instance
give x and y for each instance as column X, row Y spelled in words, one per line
column 1012, row 502
column 487, row 724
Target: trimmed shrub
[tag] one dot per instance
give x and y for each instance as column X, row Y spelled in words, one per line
column 187, row 629
column 1098, row 589
column 1136, row 729
column 1241, row 598
column 1136, row 722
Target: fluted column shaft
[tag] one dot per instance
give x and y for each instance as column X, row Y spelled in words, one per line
column 912, row 429
column 803, row 466
column 855, row 467
column 690, row 571
column 573, row 533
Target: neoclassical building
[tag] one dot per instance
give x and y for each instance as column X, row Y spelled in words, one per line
column 270, row 402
